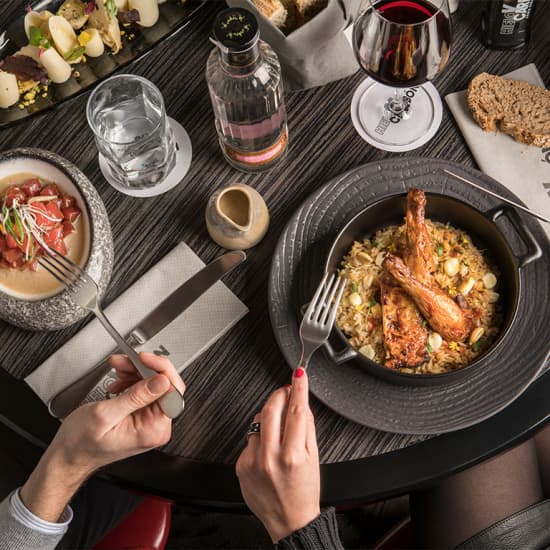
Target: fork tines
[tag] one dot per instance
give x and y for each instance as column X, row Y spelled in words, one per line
column 61, row 268
column 324, row 304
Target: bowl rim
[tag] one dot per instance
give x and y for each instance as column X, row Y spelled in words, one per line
column 420, row 378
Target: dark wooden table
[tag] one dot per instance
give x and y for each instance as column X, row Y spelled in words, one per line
column 233, row 378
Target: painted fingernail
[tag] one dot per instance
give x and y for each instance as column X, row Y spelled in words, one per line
column 287, row 386
column 299, row 372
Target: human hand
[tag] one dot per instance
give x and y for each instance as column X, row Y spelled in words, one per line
column 279, row 469
column 99, row 433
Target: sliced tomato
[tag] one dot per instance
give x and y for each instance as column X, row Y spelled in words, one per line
column 15, row 193
column 67, row 201
column 40, row 211
column 50, row 189
column 31, row 187
column 68, row 228
column 14, row 257
column 59, row 246
column 10, row 241
column 3, row 244
column 54, row 211
column 72, row 213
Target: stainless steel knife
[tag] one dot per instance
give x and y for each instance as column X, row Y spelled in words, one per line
column 171, row 307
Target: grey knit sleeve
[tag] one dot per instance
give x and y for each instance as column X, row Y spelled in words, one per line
column 320, row 534
column 16, row 536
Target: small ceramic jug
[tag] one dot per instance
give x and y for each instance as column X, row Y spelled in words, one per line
column 237, row 217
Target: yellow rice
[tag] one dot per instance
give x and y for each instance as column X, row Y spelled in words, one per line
column 360, row 314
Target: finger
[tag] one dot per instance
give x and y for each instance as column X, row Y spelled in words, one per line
column 298, row 410
column 253, row 440
column 272, row 419
column 122, row 364
column 163, row 365
column 139, row 396
column 311, row 436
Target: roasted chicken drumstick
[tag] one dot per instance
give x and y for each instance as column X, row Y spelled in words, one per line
column 439, row 309
column 419, row 254
column 404, row 333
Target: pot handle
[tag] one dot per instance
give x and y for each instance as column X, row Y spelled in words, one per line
column 533, row 248
column 339, row 357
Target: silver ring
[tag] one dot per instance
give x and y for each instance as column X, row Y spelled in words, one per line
column 254, row 428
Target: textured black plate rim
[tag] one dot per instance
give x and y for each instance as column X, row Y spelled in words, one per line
column 59, row 104
column 408, row 427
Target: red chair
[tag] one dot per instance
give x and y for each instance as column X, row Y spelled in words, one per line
column 146, row 528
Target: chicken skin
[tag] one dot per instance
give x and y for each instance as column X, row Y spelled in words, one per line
column 419, row 254
column 404, row 333
column 439, row 309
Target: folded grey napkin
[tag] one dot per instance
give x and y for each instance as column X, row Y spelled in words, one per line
column 524, row 169
column 192, row 332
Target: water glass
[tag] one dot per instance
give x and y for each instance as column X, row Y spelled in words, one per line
column 128, row 118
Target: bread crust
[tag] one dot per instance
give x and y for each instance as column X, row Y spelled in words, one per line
column 517, row 108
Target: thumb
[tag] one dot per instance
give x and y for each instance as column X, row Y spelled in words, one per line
column 138, row 396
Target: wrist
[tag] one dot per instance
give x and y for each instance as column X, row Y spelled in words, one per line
column 51, row 486
column 281, row 529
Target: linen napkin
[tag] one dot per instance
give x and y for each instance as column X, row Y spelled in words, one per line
column 524, row 169
column 192, row 332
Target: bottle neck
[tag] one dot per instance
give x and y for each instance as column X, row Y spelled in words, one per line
column 240, row 62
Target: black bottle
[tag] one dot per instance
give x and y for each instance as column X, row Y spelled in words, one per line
column 505, row 24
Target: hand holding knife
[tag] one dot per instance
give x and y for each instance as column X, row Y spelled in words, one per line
column 171, row 307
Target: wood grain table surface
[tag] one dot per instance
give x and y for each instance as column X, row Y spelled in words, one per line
column 229, row 383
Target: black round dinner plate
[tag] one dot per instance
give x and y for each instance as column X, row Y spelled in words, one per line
column 297, row 269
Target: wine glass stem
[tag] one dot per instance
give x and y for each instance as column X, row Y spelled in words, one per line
column 397, row 106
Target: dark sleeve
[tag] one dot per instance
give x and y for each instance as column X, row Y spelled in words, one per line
column 320, row 534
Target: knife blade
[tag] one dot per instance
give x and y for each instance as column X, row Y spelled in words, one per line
column 171, row 307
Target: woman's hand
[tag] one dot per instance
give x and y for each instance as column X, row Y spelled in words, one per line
column 279, row 469
column 99, row 433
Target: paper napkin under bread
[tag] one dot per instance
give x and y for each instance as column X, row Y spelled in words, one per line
column 524, row 169
column 192, row 332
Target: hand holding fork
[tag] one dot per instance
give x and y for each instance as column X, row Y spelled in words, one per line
column 85, row 293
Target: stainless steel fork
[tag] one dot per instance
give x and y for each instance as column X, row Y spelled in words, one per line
column 85, row 293
column 320, row 314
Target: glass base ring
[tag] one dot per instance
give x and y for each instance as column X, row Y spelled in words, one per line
column 181, row 166
column 389, row 131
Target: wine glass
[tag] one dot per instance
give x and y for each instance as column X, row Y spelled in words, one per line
column 402, row 45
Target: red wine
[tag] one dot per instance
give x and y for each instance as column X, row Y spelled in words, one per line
column 403, row 43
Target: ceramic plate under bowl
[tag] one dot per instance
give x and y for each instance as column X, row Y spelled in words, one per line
column 55, row 310
column 297, row 268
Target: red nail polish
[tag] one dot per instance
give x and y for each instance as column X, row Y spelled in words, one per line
column 287, row 386
column 299, row 372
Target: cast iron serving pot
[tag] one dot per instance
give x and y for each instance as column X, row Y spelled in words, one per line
column 484, row 233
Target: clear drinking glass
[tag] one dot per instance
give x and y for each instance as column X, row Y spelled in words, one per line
column 128, row 118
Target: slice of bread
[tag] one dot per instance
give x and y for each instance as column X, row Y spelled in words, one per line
column 307, row 9
column 274, row 10
column 517, row 108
